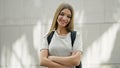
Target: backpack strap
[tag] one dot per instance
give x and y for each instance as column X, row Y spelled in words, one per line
column 50, row 37
column 73, row 36
column 80, row 65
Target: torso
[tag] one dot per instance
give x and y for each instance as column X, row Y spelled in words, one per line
column 60, row 45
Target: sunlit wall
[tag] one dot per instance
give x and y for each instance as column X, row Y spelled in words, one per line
column 23, row 23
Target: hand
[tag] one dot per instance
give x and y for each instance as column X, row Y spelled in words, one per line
column 51, row 57
column 60, row 66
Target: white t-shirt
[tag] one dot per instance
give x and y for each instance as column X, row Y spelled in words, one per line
column 61, row 45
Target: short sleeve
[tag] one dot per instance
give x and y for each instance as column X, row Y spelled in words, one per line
column 77, row 46
column 44, row 44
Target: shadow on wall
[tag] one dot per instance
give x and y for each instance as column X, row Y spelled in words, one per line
column 19, row 44
column 103, row 50
column 100, row 51
column 115, row 56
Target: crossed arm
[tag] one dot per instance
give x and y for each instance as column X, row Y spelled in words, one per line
column 73, row 60
column 45, row 61
column 59, row 62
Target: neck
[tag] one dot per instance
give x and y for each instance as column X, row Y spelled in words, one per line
column 61, row 31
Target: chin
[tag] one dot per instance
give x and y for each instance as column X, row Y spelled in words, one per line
column 63, row 25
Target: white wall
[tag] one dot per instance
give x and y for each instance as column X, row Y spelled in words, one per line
column 24, row 22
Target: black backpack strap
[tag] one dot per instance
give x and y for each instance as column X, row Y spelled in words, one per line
column 79, row 66
column 50, row 37
column 73, row 36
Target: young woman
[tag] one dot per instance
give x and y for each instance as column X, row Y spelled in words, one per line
column 60, row 53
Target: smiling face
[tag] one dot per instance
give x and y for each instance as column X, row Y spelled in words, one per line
column 64, row 18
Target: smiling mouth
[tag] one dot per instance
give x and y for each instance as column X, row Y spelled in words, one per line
column 63, row 22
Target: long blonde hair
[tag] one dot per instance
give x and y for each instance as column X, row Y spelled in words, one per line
column 70, row 26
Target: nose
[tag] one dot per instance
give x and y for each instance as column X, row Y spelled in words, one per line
column 64, row 18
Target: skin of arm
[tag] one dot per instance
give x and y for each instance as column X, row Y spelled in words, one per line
column 44, row 61
column 73, row 60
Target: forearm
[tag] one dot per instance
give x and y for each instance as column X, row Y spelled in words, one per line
column 63, row 60
column 47, row 63
column 50, row 64
column 72, row 60
column 44, row 61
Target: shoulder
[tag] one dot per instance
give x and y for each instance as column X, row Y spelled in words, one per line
column 48, row 34
column 77, row 33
